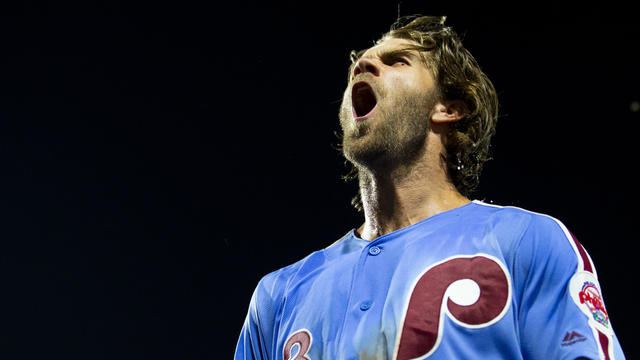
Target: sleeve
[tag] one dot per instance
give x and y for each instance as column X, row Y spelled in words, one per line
column 561, row 310
column 256, row 337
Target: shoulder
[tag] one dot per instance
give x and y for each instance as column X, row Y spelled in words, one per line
column 533, row 237
column 272, row 287
column 523, row 223
column 513, row 216
column 545, row 253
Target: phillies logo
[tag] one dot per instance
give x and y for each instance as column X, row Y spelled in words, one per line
column 590, row 296
column 472, row 291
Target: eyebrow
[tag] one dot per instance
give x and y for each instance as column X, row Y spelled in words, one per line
column 407, row 52
column 396, row 53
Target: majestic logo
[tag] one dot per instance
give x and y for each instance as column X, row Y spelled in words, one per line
column 571, row 338
column 590, row 295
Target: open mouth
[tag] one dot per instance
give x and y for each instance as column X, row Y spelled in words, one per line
column 363, row 99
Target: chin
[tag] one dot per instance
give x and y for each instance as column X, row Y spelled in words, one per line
column 365, row 153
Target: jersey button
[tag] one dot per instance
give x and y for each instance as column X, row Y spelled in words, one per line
column 374, row 250
column 365, row 306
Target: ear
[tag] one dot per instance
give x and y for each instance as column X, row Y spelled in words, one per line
column 449, row 111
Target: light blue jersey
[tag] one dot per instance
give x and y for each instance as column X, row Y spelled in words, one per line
column 475, row 282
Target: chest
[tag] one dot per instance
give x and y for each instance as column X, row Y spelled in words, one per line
column 400, row 300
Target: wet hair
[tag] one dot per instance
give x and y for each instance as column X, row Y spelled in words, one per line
column 458, row 77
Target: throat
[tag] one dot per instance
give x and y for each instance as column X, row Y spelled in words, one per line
column 389, row 206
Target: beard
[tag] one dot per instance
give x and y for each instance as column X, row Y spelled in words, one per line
column 394, row 135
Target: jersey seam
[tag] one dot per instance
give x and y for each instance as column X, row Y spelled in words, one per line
column 516, row 263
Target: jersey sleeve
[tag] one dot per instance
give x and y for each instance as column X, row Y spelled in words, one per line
column 256, row 336
column 561, row 310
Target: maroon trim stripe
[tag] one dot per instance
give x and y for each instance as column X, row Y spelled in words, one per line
column 586, row 266
column 583, row 254
column 604, row 342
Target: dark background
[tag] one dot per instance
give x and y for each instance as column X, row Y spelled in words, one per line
column 159, row 158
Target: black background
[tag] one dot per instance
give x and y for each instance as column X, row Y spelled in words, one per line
column 159, row 158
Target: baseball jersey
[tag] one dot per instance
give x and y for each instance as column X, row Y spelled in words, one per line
column 476, row 282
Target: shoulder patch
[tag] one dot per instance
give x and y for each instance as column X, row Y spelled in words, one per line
column 585, row 292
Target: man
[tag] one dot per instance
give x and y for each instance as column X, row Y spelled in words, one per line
column 430, row 273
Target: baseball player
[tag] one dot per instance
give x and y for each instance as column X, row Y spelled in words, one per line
column 430, row 274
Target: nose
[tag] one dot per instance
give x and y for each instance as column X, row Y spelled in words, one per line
column 366, row 66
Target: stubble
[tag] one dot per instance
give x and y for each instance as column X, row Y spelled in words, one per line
column 395, row 135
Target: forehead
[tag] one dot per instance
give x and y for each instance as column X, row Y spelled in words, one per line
column 390, row 44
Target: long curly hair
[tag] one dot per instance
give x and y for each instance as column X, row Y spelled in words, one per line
column 458, row 77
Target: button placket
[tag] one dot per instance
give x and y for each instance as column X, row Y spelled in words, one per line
column 372, row 251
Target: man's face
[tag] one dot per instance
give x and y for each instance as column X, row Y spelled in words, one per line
column 387, row 106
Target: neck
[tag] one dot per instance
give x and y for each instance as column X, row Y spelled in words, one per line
column 404, row 196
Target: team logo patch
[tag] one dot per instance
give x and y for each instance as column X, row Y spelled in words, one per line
column 590, row 295
column 586, row 293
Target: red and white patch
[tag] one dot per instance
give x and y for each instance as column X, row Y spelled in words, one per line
column 585, row 292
